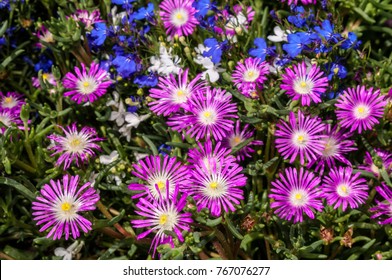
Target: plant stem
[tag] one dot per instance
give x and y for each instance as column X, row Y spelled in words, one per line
column 24, row 166
column 224, row 243
column 106, row 213
column 219, row 249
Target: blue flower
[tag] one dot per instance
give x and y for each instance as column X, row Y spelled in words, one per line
column 5, row 4
column 208, row 23
column 215, row 49
column 351, row 42
column 297, row 20
column 144, row 12
column 126, row 4
column 296, row 43
column 326, row 32
column 133, row 108
column 99, row 33
column 164, row 149
column 125, row 66
column 44, row 64
column 202, row 7
column 323, row 49
column 261, row 50
column 150, row 80
column 336, row 69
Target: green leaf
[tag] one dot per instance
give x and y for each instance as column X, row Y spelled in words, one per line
column 362, row 250
column 150, row 144
column 18, row 186
column 11, row 57
column 248, row 238
column 213, row 223
column 311, row 247
column 3, row 28
column 19, row 254
column 233, row 229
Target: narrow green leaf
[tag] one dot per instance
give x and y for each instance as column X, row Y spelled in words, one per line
column 19, row 187
column 150, row 144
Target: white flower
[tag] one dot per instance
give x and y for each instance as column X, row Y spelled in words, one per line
column 71, row 251
column 92, row 177
column 165, row 64
column 213, row 70
column 140, row 156
column 279, row 36
column 132, row 121
column 108, row 159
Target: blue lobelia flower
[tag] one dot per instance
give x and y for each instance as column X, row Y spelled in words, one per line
column 261, row 50
column 144, row 12
column 125, row 65
column 149, row 80
column 336, row 69
column 126, row 4
column 296, row 43
column 99, row 33
column 351, row 42
column 202, row 7
column 326, row 32
column 44, row 64
column 215, row 49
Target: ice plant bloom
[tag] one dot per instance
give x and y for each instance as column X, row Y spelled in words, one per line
column 359, row 109
column 336, row 144
column 300, row 136
column 86, row 86
column 304, row 83
column 76, row 146
column 172, row 95
column 209, row 113
column 343, row 188
column 164, row 214
column 385, row 161
column 155, row 171
column 87, row 18
column 178, row 17
column 383, row 209
column 59, row 205
column 216, row 186
column 11, row 101
column 7, row 118
column 237, row 136
column 296, row 194
column 249, row 76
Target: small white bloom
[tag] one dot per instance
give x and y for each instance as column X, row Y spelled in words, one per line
column 279, row 36
column 133, row 119
column 119, row 116
column 140, row 156
column 70, row 252
column 166, row 63
column 108, row 159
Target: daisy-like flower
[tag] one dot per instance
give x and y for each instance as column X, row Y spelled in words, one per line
column 359, row 108
column 336, row 144
column 304, row 83
column 7, row 118
column 343, row 188
column 76, row 146
column 209, row 156
column 178, row 17
column 44, row 35
column 238, row 136
column 11, row 101
column 46, row 78
column 216, row 186
column 87, row 86
column 383, row 209
column 295, row 194
column 162, row 215
column 172, row 95
column 209, row 113
column 155, row 171
column 301, row 135
column 87, row 18
column 249, row 76
column 59, row 205
column 385, row 160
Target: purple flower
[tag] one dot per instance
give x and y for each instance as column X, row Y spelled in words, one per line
column 383, row 209
column 385, row 161
column 300, row 136
column 343, row 188
column 237, row 136
column 217, row 185
column 295, row 194
column 8, row 118
column 11, row 101
column 336, row 144
column 209, row 113
column 87, row 18
column 86, row 86
column 59, row 204
column 162, row 215
column 304, row 83
column 249, row 76
column 178, row 17
column 76, row 146
column 358, row 108
column 172, row 95
column 155, row 172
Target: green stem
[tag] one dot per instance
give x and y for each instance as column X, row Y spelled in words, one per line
column 223, row 241
column 24, row 166
column 267, row 146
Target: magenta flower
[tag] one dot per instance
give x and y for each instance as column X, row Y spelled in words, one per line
column 87, row 18
column 12, row 101
column 383, row 209
column 76, row 146
column 217, row 186
column 295, row 194
column 300, row 136
column 249, row 77
column 385, row 161
column 306, row 84
column 343, row 188
column 172, row 95
column 59, row 204
column 336, row 144
column 237, row 136
column 7, row 118
column 155, row 171
column 162, row 215
column 304, row 2
column 87, row 86
column 209, row 113
column 358, row 108
column 178, row 17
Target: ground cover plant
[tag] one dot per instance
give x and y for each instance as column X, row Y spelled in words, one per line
column 195, row 129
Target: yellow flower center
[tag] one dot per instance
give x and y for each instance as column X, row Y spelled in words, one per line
column 303, row 84
column 237, row 140
column 66, row 206
column 250, row 73
column 336, row 70
column 75, row 142
column 8, row 100
column 213, row 185
column 86, row 84
column 161, row 185
column 207, row 114
column 45, row 76
column 179, row 16
column 344, row 189
column 301, row 139
column 163, row 219
column 180, row 92
column 298, row 196
column 361, row 109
